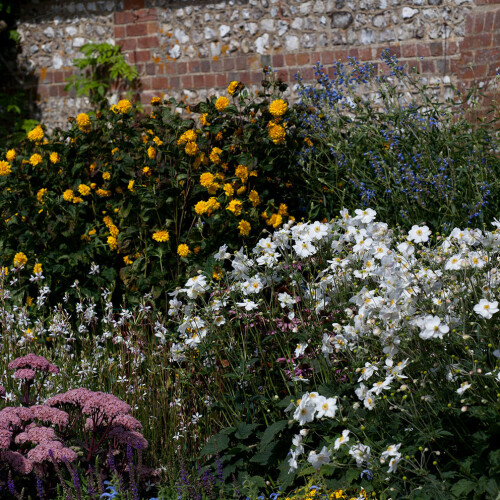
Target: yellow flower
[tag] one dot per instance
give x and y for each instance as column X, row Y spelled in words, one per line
column 131, row 185
column 84, row 190
column 283, row 210
column 35, row 159
column 183, row 250
column 212, row 189
column 68, row 195
column 146, row 171
column 29, row 302
column 20, row 259
column 201, row 207
column 217, row 274
column 275, row 220
column 77, row 199
column 106, row 176
column 278, row 108
column 242, row 173
column 254, row 198
column 157, row 141
column 206, row 179
column 5, row 168
column 196, row 249
column 123, row 106
column 203, row 119
column 11, row 155
column 155, row 100
column 93, row 166
column 308, row 141
column 151, row 153
column 161, row 236
column 92, row 232
column 113, row 230
column 191, row 148
column 54, row 158
column 113, row 244
column 212, row 204
column 241, row 190
column 276, row 132
column 228, row 189
column 127, row 260
column 221, row 103
column 218, row 136
column 4, row 270
column 37, row 268
column 214, row 155
column 187, row 136
column 235, row 206
column 233, row 87
column 108, row 221
column 103, row 193
column 244, row 227
column 40, row 194
column 93, row 185
column 36, row 135
column 83, row 122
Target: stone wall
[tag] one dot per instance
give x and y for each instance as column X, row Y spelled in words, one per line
column 190, row 49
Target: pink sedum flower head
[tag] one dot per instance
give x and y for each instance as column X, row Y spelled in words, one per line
column 419, row 234
column 19, row 463
column 486, row 309
column 25, row 374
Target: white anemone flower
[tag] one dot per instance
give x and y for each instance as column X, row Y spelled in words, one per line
column 419, row 234
column 463, row 387
column 486, row 309
column 344, row 439
column 319, row 459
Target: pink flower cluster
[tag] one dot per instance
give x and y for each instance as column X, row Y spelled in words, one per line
column 34, row 362
column 3, row 392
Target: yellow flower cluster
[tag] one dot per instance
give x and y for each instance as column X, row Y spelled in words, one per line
column 11, row 155
column 233, row 87
column 203, row 119
column 183, row 250
column 41, row 193
column 242, row 173
column 113, row 230
column 123, row 107
column 5, row 168
column 276, row 132
column 68, row 195
column 278, row 108
column 157, row 140
column 106, row 176
column 155, row 100
column 37, row 268
column 254, row 198
column 103, row 193
column 214, row 155
column 151, row 153
column 130, row 186
column 187, row 136
column 20, row 259
column 36, row 135
column 54, row 158
column 112, row 242
column 221, row 103
column 207, row 179
column 207, row 207
column 244, row 227
column 229, row 190
column 35, row 159
column 84, row 190
column 235, row 206
column 191, row 149
column 83, row 122
column 161, row 236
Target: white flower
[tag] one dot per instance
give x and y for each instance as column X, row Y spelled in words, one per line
column 369, row 401
column 486, row 309
column 342, row 439
column 304, row 248
column 419, row 234
column 365, row 216
column 318, row 459
column 285, row 300
column 463, row 387
column 393, row 463
column 300, row 349
column 222, row 253
column 391, row 451
column 367, row 371
column 361, row 453
column 248, row 304
column 305, row 410
column 432, row 328
column 326, row 407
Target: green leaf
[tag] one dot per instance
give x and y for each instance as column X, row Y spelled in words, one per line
column 244, row 430
column 271, row 431
column 215, row 445
column 462, row 488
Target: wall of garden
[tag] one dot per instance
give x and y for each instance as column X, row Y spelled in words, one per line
column 191, row 49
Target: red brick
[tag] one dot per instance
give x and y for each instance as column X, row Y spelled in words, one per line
column 151, row 69
column 124, row 18
column 217, row 65
column 170, row 68
column 139, row 29
column 194, row 66
column 221, row 80
column 145, row 15
column 128, row 44
column 53, row 91
column 174, row 82
column 315, row 57
column 469, row 24
column 140, row 67
column 423, row 50
column 451, row 48
column 484, row 56
column 283, row 74
column 119, row 31
column 187, row 81
column 228, row 63
column 153, row 28
column 205, row 66
column 133, row 4
column 181, row 68
column 43, row 91
column 241, row 62
column 365, row 54
column 199, row 81
column 58, row 76
column 143, row 56
column 277, row 60
column 302, row 58
column 290, row 60
column 147, row 42
column 256, row 77
column 489, row 22
column 409, row 50
column 355, row 53
column 159, row 82
column 327, row 57
column 210, row 80
column 479, row 19
column 307, row 73
column 482, row 40
column 428, row 66
column 496, row 39
column 436, row 48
